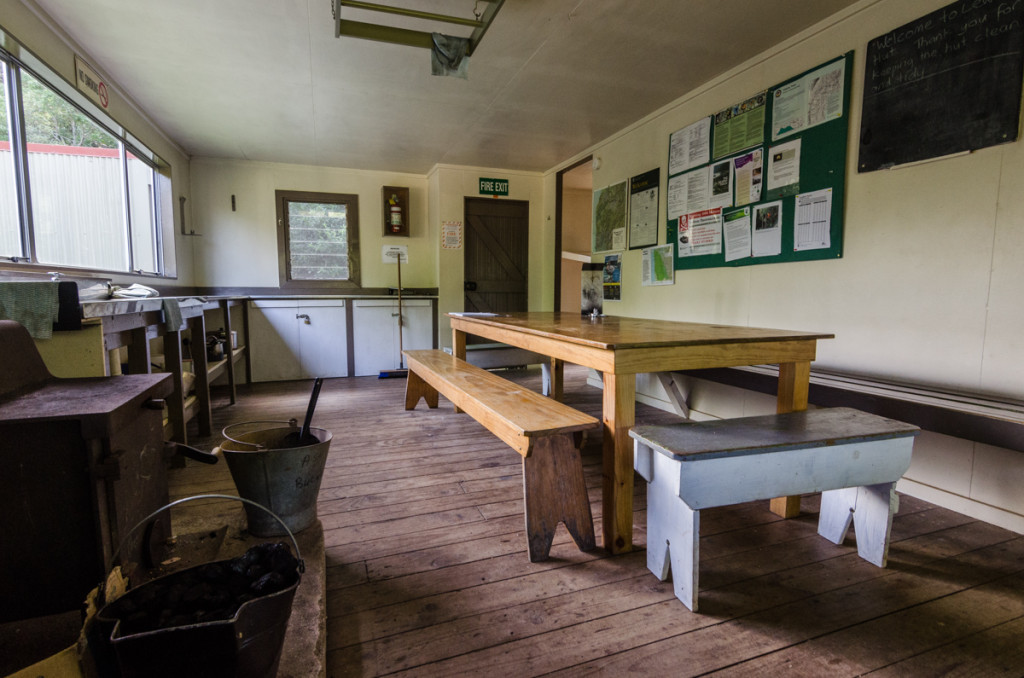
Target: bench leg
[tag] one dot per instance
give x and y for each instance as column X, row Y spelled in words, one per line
column 870, row 508
column 673, row 532
column 555, row 490
column 416, row 388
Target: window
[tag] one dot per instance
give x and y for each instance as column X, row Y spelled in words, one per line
column 76, row 190
column 318, row 239
column 10, row 230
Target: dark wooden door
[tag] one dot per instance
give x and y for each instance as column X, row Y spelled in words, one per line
column 496, row 255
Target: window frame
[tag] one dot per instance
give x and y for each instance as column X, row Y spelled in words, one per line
column 351, row 203
column 19, row 61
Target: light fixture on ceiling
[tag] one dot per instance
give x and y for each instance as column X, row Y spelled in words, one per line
column 480, row 22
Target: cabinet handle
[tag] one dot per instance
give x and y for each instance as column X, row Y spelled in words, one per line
column 303, row 316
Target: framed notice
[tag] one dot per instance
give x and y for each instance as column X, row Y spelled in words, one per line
column 643, row 210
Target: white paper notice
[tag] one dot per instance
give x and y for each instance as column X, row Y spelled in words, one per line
column 748, row 177
column 784, row 165
column 767, row 238
column 736, row 230
column 700, row 233
column 721, row 184
column 619, row 239
column 390, row 254
column 688, row 193
column 689, row 147
column 451, row 235
column 813, row 220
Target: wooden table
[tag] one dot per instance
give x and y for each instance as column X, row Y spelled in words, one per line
column 621, row 348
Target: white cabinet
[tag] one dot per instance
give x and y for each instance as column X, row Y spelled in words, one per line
column 375, row 332
column 298, row 338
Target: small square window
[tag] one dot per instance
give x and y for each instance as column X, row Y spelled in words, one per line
column 318, row 237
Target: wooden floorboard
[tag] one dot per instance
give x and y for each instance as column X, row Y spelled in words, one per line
column 428, row 573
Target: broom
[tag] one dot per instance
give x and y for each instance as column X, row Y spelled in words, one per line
column 401, row 372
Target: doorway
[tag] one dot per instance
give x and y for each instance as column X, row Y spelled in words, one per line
column 573, row 207
column 496, row 255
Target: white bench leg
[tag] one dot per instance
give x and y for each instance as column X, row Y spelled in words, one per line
column 673, row 529
column 870, row 508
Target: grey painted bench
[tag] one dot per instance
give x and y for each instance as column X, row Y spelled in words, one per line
column 853, row 458
column 545, row 432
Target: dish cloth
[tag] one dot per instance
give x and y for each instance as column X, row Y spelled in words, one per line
column 448, row 56
column 33, row 304
column 172, row 314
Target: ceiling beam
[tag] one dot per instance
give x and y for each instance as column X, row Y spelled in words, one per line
column 405, row 36
column 415, row 13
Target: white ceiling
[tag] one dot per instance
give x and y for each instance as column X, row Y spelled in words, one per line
column 266, row 80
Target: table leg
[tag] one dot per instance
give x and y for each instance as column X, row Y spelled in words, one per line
column 459, row 344
column 617, row 493
column 794, row 383
column 557, row 374
column 458, row 349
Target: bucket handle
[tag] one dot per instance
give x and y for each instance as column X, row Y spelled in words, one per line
column 293, row 423
column 154, row 514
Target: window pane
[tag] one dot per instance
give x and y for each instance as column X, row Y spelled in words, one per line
column 317, row 241
column 10, row 231
column 76, row 184
column 141, row 203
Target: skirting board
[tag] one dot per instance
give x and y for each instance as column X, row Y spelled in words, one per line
column 955, row 502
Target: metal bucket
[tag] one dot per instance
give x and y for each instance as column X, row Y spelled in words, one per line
column 248, row 645
column 284, row 479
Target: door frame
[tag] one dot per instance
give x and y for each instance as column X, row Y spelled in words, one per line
column 557, row 263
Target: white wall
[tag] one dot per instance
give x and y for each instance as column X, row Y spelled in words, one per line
column 449, row 187
column 239, row 248
column 929, row 286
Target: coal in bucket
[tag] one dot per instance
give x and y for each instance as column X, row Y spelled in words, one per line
column 275, row 469
column 218, row 620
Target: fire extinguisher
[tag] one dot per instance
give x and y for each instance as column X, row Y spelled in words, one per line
column 395, row 214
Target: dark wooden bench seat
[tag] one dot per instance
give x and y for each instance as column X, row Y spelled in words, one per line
column 545, row 432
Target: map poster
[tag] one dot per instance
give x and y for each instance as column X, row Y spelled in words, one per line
column 658, row 266
column 811, row 100
column 610, row 218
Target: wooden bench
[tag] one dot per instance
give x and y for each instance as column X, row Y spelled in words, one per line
column 545, row 432
column 852, row 457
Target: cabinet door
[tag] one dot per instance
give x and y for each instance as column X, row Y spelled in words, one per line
column 417, row 324
column 324, row 339
column 275, row 340
column 375, row 332
column 375, row 335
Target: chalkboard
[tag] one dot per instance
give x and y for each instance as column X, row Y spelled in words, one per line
column 946, row 83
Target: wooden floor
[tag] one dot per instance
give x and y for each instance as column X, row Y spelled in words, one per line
column 428, row 573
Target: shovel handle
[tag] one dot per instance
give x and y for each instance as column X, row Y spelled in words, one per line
column 312, row 406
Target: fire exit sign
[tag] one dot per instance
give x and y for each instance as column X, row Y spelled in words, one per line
column 493, row 186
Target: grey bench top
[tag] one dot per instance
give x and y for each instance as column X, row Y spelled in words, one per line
column 772, row 432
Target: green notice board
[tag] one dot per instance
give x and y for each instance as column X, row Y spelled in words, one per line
column 774, row 167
